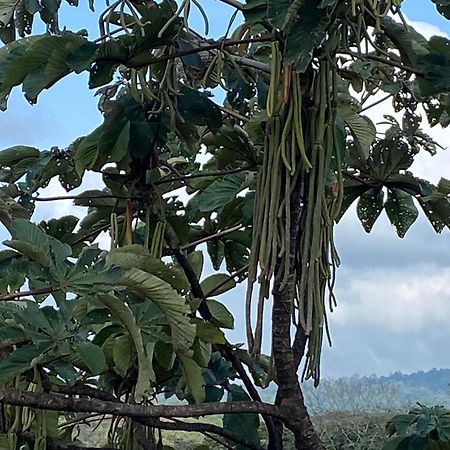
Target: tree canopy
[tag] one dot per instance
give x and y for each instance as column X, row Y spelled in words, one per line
column 254, row 183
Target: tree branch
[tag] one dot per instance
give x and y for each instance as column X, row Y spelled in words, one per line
column 17, row 295
column 82, row 197
column 201, row 428
column 388, row 62
column 54, row 402
column 202, row 48
column 218, row 173
column 211, row 237
column 226, row 349
column 227, row 280
column 234, row 4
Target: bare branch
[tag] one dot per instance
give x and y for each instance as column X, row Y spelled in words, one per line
column 234, row 4
column 17, row 295
column 227, row 280
column 388, row 62
column 82, row 197
column 202, row 48
column 218, row 173
column 211, row 237
column 201, row 428
column 54, row 402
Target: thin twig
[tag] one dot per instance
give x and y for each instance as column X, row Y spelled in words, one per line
column 17, row 295
column 388, row 62
column 376, row 103
column 234, row 4
column 202, row 48
column 83, row 197
column 227, row 280
column 211, row 237
column 219, row 173
column 200, row 428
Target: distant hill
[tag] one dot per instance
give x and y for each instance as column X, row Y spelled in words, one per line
column 375, row 393
column 436, row 380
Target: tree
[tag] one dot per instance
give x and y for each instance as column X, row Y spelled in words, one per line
column 289, row 150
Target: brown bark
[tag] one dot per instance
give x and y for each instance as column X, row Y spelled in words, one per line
column 289, row 396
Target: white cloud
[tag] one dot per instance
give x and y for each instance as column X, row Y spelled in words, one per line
column 400, row 300
column 426, row 29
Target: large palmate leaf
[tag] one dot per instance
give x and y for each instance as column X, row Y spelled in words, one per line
column 164, row 296
column 401, row 210
column 31, row 240
column 370, row 205
column 18, row 361
column 93, row 356
column 306, row 28
column 361, row 127
column 37, row 62
column 218, row 193
column 135, row 256
column 123, row 312
column 192, row 374
column 443, row 6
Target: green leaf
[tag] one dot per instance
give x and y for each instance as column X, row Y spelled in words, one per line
column 122, row 354
column 173, row 306
column 86, row 153
column 361, row 127
column 306, row 28
column 210, row 333
column 37, row 62
column 136, row 256
column 196, row 261
column 219, row 193
column 217, row 284
column 398, row 443
column 24, row 230
column 401, row 210
column 220, row 314
column 7, row 11
column 31, row 251
column 93, row 356
column 13, row 155
column 216, row 251
column 18, row 361
column 202, row 352
column 246, row 424
column 125, row 315
column 198, row 109
column 369, row 207
column 193, row 377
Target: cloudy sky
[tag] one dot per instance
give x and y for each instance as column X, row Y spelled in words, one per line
column 393, row 294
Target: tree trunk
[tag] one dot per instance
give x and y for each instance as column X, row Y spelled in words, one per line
column 289, row 395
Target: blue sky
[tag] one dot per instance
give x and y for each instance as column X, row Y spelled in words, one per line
column 394, row 295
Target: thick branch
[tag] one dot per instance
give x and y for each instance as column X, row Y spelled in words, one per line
column 53, row 402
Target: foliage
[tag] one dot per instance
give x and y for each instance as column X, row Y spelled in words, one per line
column 289, row 150
column 422, row 428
